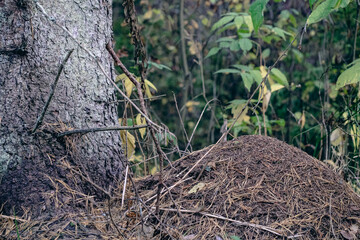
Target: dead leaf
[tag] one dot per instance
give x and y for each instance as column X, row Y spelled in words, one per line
column 347, row 235
column 354, row 229
column 189, row 237
column 266, row 101
column 197, row 187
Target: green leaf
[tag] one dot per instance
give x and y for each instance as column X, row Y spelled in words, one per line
column 239, row 20
column 224, row 44
column 158, row 65
column 349, row 76
column 225, row 39
column 299, row 56
column 256, row 74
column 242, row 67
column 280, row 32
column 249, row 23
column 234, row 14
column 266, row 53
column 257, row 13
column 226, row 27
column 245, row 44
column 235, row 103
column 222, row 22
column 321, row 12
column 212, row 52
column 311, row 3
column 357, row 61
column 279, row 77
column 228, row 70
column 344, row 3
column 234, row 46
column 248, row 80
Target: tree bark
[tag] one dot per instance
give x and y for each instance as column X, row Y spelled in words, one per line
column 32, row 171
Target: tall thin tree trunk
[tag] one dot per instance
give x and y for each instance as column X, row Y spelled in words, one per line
column 31, row 50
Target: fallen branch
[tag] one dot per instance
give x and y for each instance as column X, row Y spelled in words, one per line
column 13, row 218
column 88, row 130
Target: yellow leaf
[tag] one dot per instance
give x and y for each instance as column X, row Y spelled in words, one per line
column 263, row 71
column 120, row 77
column 263, row 91
column 192, row 48
column 197, row 187
column 121, row 121
column 249, row 23
column 345, row 116
column 354, row 132
column 276, row 86
column 191, row 104
column 266, row 101
column 336, row 137
column 141, row 121
column 128, row 86
column 205, row 21
column 128, row 142
column 302, row 120
column 147, row 82
column 148, row 92
column 153, row 170
column 149, row 85
column 236, row 111
column 148, row 15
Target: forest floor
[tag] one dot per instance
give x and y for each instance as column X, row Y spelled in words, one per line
column 252, row 187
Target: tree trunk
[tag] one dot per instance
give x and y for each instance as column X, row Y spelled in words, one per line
column 35, row 168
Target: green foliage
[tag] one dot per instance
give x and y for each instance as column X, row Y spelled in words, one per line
column 213, row 51
column 229, row 46
column 324, row 9
column 257, row 13
column 158, row 65
column 223, row 21
column 279, row 77
column 350, row 75
column 245, row 44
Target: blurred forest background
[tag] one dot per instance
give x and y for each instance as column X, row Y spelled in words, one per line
column 206, row 57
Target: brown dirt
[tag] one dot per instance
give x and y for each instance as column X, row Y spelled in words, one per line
column 252, row 187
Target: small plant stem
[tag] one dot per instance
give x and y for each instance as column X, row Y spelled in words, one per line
column 144, row 110
column 52, row 91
